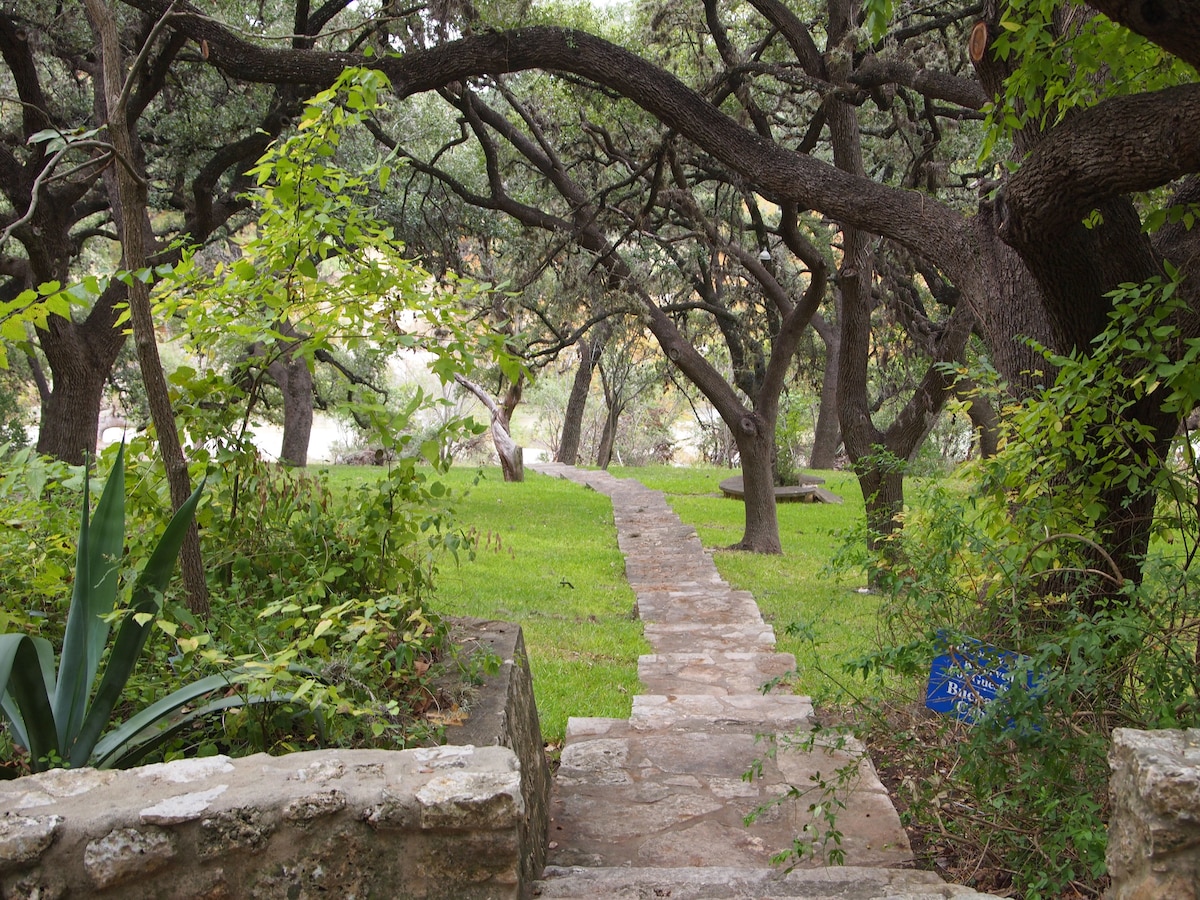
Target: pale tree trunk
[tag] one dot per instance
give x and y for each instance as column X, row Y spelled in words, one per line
column 985, row 421
column 512, row 460
column 295, row 382
column 827, row 436
column 608, row 436
column 130, row 209
column 615, row 406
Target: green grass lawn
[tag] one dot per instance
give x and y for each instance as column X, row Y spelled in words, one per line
column 546, row 557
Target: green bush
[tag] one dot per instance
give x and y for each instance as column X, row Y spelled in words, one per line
column 321, row 598
column 61, row 714
column 1014, row 555
column 39, row 502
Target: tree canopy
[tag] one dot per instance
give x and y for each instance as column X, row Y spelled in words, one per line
column 794, row 105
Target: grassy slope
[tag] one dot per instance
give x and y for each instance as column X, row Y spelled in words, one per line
column 536, row 538
column 547, row 558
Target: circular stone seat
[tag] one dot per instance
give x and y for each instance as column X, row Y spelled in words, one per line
column 809, row 490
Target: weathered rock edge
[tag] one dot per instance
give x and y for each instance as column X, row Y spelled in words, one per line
column 503, row 712
column 457, row 821
column 1154, row 826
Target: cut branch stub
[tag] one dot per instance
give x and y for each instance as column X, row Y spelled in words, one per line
column 977, row 44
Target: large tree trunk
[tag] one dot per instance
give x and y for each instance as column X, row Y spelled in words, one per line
column 883, row 492
column 755, row 440
column 295, row 381
column 70, row 413
column 291, row 375
column 827, row 436
column 590, row 349
column 129, row 203
column 80, row 355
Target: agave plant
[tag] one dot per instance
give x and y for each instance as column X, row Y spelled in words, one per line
column 55, row 714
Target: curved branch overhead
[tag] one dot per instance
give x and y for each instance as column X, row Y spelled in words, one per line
column 1125, row 144
column 1172, row 24
column 1086, row 151
column 781, row 175
column 964, row 92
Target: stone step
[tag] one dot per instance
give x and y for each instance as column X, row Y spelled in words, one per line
column 734, row 883
column 712, row 606
column 682, row 637
column 591, row 726
column 713, row 673
column 748, row 713
column 628, row 797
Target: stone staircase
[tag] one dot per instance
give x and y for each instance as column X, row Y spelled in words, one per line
column 656, row 805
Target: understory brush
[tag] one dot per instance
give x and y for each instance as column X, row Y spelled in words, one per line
column 321, row 632
column 1012, row 569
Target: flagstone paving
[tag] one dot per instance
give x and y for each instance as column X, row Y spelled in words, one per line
column 656, row 805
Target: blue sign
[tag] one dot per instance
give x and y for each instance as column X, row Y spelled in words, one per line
column 968, row 676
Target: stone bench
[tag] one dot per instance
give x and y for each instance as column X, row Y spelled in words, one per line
column 809, row 490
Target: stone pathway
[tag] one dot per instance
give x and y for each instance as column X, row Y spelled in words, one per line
column 655, row 806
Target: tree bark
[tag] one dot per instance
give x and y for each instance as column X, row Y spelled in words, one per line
column 755, row 439
column 985, row 421
column 590, row 349
column 295, row 382
column 290, row 372
column 827, row 435
column 130, row 207
column 608, row 438
column 614, row 401
column 80, row 356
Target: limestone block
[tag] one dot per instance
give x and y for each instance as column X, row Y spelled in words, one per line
column 1154, row 828
column 457, row 800
column 127, row 853
column 181, row 808
column 185, row 771
column 243, row 828
column 396, row 810
column 314, row 806
column 23, row 839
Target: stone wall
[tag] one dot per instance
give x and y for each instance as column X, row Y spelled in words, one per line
column 503, row 712
column 1154, row 827
column 465, row 820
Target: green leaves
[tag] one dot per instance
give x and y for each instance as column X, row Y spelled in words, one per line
column 34, row 306
column 878, row 17
column 56, row 717
column 56, row 141
column 323, row 275
column 1057, row 72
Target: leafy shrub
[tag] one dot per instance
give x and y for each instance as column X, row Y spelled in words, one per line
column 1014, row 555
column 321, row 599
column 62, row 717
column 39, row 501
